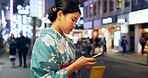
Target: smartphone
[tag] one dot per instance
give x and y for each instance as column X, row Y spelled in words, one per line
column 97, row 55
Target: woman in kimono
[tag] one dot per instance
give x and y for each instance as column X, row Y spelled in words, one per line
column 53, row 53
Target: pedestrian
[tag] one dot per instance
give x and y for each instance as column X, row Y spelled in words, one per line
column 142, row 42
column 146, row 49
column 97, row 41
column 124, row 43
column 146, row 46
column 84, row 47
column 53, row 53
column 104, row 45
column 1, row 42
column 12, row 47
column 28, row 41
column 22, row 45
column 89, row 46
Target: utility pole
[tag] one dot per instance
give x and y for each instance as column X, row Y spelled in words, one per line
column 34, row 30
column 35, row 22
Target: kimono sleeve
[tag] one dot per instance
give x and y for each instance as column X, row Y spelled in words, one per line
column 44, row 63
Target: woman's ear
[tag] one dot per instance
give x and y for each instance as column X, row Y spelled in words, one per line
column 60, row 15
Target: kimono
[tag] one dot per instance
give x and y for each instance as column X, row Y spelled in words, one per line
column 51, row 50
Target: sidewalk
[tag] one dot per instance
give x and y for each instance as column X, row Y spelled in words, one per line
column 132, row 57
column 18, row 72
column 129, row 57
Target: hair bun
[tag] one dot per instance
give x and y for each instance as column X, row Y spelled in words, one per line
column 52, row 14
column 66, row 6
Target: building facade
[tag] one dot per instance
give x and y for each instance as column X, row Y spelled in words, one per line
column 116, row 18
column 110, row 18
column 138, row 22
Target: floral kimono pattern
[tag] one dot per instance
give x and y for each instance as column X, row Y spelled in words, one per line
column 51, row 50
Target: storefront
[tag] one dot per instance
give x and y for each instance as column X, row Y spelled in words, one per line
column 144, row 30
column 107, row 30
column 122, row 30
column 138, row 19
column 90, row 28
column 77, row 34
column 95, row 32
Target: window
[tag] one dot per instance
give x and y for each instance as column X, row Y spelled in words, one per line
column 99, row 7
column 94, row 8
column 105, row 6
column 146, row 0
column 136, row 2
column 118, row 4
column 111, row 5
column 127, row 3
column 86, row 11
column 90, row 9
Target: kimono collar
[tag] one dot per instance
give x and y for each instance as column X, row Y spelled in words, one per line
column 51, row 32
column 57, row 33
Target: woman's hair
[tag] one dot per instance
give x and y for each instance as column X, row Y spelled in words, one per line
column 66, row 6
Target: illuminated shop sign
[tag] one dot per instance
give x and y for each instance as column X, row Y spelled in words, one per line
column 108, row 20
column 121, row 20
column 138, row 16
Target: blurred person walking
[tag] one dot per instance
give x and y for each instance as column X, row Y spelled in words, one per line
column 142, row 42
column 89, row 46
column 124, row 42
column 28, row 40
column 1, row 42
column 104, row 45
column 146, row 47
column 12, row 45
column 23, row 45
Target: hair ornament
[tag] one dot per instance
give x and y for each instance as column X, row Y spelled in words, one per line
column 54, row 9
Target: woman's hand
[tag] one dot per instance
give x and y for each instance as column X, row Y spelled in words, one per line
column 84, row 62
column 80, row 63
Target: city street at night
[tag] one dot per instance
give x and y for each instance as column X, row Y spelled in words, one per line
column 58, row 38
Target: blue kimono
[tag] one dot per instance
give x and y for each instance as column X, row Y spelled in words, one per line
column 51, row 50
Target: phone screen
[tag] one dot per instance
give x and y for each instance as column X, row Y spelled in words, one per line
column 97, row 55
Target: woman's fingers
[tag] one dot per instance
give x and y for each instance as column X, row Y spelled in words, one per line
column 83, row 62
column 90, row 64
column 91, row 59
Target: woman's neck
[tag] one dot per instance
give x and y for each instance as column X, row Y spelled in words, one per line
column 56, row 27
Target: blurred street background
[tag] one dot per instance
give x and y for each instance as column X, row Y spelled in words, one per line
column 100, row 19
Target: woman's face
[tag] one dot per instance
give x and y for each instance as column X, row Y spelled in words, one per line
column 69, row 22
column 12, row 35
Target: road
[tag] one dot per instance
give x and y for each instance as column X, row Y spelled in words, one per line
column 119, row 69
